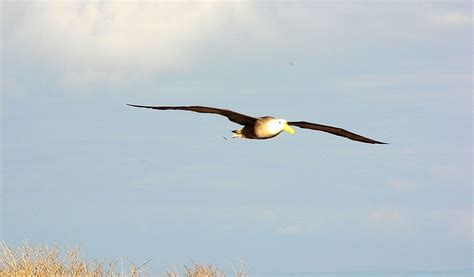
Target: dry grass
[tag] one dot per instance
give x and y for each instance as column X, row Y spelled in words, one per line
column 49, row 261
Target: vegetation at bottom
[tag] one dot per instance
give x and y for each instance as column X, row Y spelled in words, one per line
column 44, row 260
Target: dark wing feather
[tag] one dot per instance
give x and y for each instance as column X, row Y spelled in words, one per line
column 232, row 116
column 334, row 130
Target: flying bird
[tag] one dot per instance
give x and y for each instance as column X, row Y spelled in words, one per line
column 264, row 127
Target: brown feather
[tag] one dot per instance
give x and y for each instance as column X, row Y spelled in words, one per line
column 238, row 118
column 334, row 130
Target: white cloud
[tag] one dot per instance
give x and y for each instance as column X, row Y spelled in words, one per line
column 114, row 41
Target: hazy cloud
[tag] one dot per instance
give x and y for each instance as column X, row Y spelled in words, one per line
column 402, row 185
column 450, row 173
column 458, row 222
column 289, row 230
column 452, row 19
column 387, row 217
column 268, row 215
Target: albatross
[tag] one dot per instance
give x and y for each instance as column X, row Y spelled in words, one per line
column 264, row 127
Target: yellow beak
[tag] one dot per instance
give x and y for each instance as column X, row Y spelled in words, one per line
column 287, row 128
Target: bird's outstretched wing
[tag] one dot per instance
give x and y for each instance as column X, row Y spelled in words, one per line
column 334, row 130
column 232, row 116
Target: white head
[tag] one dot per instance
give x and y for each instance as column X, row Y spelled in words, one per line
column 276, row 125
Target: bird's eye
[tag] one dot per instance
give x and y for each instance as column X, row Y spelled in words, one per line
column 279, row 122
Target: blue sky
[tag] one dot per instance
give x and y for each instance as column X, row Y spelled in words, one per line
column 80, row 167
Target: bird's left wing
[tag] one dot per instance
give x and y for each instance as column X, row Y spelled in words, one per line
column 231, row 115
column 334, row 130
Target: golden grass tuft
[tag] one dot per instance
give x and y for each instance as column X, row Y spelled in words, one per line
column 48, row 261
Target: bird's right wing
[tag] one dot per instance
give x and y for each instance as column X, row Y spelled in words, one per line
column 231, row 115
column 334, row 130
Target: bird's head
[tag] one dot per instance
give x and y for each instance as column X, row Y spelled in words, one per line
column 277, row 125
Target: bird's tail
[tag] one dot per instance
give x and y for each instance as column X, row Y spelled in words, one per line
column 237, row 134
